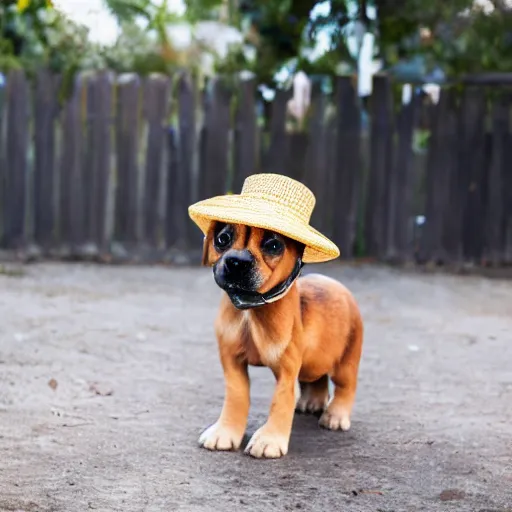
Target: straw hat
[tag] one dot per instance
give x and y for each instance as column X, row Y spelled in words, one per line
column 273, row 202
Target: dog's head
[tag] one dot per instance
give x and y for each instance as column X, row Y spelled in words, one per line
column 248, row 262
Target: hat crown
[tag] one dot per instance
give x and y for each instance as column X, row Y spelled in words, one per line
column 289, row 193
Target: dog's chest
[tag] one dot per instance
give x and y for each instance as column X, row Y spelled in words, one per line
column 259, row 347
column 249, row 347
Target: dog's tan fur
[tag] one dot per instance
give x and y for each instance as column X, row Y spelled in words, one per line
column 313, row 333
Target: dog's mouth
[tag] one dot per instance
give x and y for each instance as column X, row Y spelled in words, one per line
column 243, row 298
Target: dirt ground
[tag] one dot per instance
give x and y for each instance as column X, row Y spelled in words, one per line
column 109, row 374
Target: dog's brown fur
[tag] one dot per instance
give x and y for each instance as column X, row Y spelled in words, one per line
column 312, row 333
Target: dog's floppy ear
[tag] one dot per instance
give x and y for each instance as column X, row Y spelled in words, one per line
column 207, row 244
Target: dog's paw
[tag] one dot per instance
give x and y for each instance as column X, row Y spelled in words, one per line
column 335, row 420
column 311, row 404
column 264, row 444
column 220, row 437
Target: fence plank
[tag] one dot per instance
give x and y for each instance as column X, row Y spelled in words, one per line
column 16, row 161
column 297, row 144
column 127, row 132
column 316, row 169
column 3, row 166
column 276, row 158
column 472, row 173
column 441, row 177
column 156, row 98
column 98, row 174
column 446, row 206
column 332, row 158
column 245, row 134
column 71, row 190
column 376, row 214
column 176, row 228
column 89, row 107
column 45, row 109
column 182, row 178
column 347, row 177
column 496, row 193
column 508, row 194
column 404, row 181
column 215, row 164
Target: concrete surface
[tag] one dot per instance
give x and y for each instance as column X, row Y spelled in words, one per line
column 109, row 374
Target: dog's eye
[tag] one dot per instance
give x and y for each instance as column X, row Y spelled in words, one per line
column 273, row 246
column 223, row 239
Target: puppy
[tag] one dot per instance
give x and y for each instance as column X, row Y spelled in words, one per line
column 307, row 329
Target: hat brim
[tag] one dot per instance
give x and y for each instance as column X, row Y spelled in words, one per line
column 262, row 213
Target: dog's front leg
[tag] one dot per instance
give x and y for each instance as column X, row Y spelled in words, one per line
column 272, row 439
column 227, row 433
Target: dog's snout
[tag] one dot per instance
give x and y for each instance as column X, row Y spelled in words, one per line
column 239, row 264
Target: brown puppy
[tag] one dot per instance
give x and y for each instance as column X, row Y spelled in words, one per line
column 308, row 329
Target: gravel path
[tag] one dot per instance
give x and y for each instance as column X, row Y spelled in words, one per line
column 108, row 375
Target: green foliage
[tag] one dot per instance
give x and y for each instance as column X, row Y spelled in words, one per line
column 135, row 51
column 200, row 10
column 126, row 10
column 415, row 36
column 461, row 37
column 39, row 36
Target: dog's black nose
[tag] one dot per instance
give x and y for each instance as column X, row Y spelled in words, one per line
column 239, row 264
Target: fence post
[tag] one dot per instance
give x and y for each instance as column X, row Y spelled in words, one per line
column 472, row 173
column 45, row 110
column 156, row 99
column 127, row 145
column 3, row 166
column 176, row 228
column 497, row 192
column 297, row 147
column 347, row 176
column 404, row 182
column 100, row 147
column 71, row 186
column 245, row 134
column 441, row 172
column 316, row 170
column 381, row 138
column 182, row 178
column 277, row 154
column 508, row 196
column 14, row 201
column 215, row 164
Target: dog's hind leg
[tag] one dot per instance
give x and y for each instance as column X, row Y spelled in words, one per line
column 344, row 377
column 313, row 396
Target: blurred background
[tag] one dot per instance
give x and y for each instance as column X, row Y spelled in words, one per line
column 117, row 114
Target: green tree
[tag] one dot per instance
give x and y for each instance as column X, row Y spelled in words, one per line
column 455, row 35
column 158, row 18
column 33, row 33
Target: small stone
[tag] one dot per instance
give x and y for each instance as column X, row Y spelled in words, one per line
column 451, row 495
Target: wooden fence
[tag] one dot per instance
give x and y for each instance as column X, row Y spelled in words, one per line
column 109, row 170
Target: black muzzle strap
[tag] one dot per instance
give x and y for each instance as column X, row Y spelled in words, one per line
column 248, row 300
